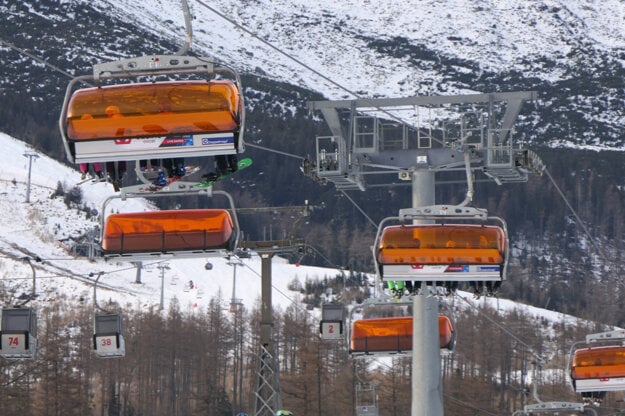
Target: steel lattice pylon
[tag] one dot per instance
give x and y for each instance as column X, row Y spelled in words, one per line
column 268, row 399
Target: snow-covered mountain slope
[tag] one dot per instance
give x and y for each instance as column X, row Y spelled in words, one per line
column 372, row 46
column 570, row 52
column 41, row 229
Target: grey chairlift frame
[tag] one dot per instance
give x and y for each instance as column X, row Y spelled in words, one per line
column 599, row 339
column 151, row 66
column 443, row 213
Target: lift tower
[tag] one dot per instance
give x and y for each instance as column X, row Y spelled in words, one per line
column 412, row 139
column 268, row 397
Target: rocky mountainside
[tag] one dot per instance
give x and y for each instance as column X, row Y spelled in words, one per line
column 290, row 52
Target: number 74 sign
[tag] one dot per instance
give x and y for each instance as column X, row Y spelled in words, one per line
column 14, row 343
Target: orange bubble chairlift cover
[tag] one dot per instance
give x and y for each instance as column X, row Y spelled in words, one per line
column 153, row 109
column 598, row 362
column 162, row 231
column 392, row 334
column 442, row 244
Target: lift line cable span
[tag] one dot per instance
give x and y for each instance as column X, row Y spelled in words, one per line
column 30, row 55
column 538, row 357
column 274, row 151
column 294, row 59
column 275, row 48
column 577, row 218
column 582, row 224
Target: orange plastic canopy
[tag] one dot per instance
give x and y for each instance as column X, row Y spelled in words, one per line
column 153, row 109
column 442, row 244
column 598, row 362
column 169, row 230
column 393, row 334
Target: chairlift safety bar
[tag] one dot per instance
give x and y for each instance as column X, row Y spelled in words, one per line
column 443, row 212
column 152, row 65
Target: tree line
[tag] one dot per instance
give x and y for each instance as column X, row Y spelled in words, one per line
column 186, row 362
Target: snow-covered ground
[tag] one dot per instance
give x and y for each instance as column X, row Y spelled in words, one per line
column 34, row 230
column 373, row 47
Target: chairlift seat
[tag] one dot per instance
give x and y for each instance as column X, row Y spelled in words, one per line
column 392, row 335
column 168, row 230
column 598, row 368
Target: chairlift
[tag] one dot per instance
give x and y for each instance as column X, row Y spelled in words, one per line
column 551, row 407
column 445, row 253
column 139, row 236
column 366, row 400
column 108, row 336
column 386, row 328
column 18, row 333
column 151, row 107
column 597, row 365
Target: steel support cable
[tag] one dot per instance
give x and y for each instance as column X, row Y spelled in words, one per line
column 275, row 48
column 275, row 151
column 293, row 301
column 505, row 330
column 30, row 55
column 359, row 209
column 294, row 59
column 577, row 218
column 465, row 404
column 581, row 223
column 342, row 191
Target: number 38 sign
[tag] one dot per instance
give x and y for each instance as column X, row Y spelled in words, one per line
column 106, row 343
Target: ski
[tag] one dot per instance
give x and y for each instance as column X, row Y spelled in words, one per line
column 211, row 178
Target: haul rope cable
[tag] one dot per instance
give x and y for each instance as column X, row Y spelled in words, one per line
column 304, row 65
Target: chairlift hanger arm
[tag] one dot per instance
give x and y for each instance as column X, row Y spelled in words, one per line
column 158, row 65
column 618, row 335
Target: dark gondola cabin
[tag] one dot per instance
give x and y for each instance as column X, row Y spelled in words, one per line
column 108, row 336
column 18, row 333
